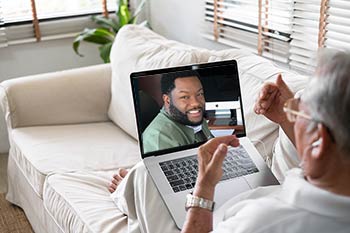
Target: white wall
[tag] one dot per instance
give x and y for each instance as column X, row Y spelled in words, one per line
column 45, row 56
column 180, row 20
column 35, row 58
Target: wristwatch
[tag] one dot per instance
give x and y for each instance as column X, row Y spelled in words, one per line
column 199, row 202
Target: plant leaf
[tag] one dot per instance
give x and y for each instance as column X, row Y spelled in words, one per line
column 145, row 24
column 105, row 51
column 105, row 34
column 109, row 24
column 139, row 8
column 123, row 13
column 132, row 20
column 98, row 36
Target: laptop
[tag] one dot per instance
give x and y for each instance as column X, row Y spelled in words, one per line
column 174, row 169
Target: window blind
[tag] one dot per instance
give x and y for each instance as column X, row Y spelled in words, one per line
column 232, row 22
column 262, row 26
column 23, row 21
column 317, row 24
column 337, row 25
column 288, row 31
column 274, row 29
column 305, row 34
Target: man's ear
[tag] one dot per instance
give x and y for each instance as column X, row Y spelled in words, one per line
column 166, row 100
column 322, row 142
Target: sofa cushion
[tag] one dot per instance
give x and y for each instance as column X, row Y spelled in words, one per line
column 81, row 202
column 253, row 72
column 137, row 48
column 39, row 151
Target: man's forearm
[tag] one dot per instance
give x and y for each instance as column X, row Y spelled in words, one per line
column 211, row 156
column 198, row 220
column 288, row 129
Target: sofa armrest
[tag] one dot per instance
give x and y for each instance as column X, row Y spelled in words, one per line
column 73, row 96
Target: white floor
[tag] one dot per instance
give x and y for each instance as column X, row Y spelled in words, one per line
column 3, row 172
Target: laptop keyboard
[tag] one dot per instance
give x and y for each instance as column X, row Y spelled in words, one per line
column 182, row 173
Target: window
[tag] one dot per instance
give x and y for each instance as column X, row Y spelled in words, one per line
column 304, row 44
column 337, row 25
column 287, row 31
column 232, row 22
column 56, row 18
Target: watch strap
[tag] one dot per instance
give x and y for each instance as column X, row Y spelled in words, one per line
column 199, row 202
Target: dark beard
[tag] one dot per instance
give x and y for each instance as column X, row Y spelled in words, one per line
column 180, row 117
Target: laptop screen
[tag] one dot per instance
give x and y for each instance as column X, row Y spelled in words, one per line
column 180, row 108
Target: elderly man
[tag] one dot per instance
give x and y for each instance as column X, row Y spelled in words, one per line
column 180, row 121
column 313, row 198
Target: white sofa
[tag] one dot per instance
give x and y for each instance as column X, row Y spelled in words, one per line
column 70, row 130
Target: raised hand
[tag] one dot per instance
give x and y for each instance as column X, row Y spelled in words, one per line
column 210, row 158
column 271, row 99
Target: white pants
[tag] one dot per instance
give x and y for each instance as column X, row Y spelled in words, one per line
column 139, row 199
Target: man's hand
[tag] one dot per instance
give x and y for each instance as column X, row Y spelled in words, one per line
column 271, row 99
column 116, row 179
column 210, row 158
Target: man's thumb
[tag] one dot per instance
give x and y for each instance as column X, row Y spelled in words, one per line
column 220, row 153
column 282, row 86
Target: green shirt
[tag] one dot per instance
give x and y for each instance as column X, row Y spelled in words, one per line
column 164, row 133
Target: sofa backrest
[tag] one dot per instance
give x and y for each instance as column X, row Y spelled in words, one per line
column 80, row 95
column 137, row 48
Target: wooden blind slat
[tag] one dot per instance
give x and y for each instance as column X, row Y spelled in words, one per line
column 217, row 17
column 35, row 22
column 260, row 29
column 263, row 29
column 216, row 33
column 322, row 23
column 104, row 8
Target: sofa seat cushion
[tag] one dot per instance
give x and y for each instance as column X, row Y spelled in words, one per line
column 39, row 151
column 137, row 48
column 81, row 202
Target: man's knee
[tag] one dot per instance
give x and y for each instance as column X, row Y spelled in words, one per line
column 139, row 170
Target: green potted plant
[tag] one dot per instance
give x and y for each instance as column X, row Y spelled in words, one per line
column 104, row 35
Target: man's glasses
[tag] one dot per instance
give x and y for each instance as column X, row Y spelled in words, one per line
column 291, row 108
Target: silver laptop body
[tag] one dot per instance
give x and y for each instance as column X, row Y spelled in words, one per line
column 252, row 172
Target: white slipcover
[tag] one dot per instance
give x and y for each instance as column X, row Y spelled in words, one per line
column 42, row 150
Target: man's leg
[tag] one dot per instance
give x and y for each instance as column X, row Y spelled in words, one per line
column 139, row 199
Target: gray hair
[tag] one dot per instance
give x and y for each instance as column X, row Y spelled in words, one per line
column 328, row 95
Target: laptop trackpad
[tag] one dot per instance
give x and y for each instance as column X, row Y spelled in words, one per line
column 226, row 190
